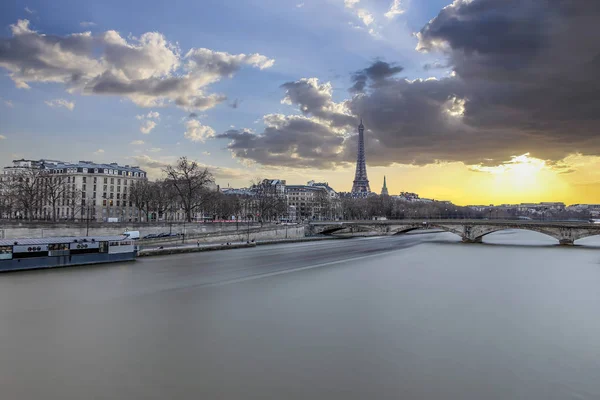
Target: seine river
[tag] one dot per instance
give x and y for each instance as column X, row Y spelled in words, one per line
column 409, row 317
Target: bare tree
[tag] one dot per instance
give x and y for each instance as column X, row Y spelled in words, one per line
column 161, row 197
column 140, row 195
column 56, row 190
column 269, row 200
column 26, row 189
column 191, row 182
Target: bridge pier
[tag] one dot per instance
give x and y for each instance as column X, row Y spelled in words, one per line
column 469, row 240
column 566, row 242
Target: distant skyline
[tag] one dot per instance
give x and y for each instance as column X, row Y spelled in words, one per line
column 473, row 101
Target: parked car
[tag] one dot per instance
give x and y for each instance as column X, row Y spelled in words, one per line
column 132, row 234
column 150, row 236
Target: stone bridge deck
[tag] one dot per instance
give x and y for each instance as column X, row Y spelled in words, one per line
column 471, row 231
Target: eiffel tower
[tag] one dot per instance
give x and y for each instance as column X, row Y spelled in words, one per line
column 361, row 182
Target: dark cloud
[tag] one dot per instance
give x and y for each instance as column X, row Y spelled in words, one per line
column 291, row 141
column 376, row 73
column 315, row 99
column 192, row 115
column 526, row 81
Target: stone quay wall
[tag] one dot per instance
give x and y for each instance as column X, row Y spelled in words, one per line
column 22, row 230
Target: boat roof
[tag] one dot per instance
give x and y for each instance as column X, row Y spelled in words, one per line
column 63, row 239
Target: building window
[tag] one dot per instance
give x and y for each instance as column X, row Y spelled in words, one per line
column 83, row 187
column 94, row 188
column 112, row 188
column 84, row 178
column 95, row 171
column 118, row 203
column 85, row 171
column 94, row 195
column 105, row 187
column 111, row 203
column 112, row 181
column 105, row 181
column 118, row 188
column 104, row 203
column 118, row 195
column 118, row 181
column 112, row 195
column 125, row 182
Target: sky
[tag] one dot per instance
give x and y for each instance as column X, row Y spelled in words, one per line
column 473, row 101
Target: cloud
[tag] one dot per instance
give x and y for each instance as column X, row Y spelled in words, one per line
column 147, row 126
column 376, row 73
column 299, row 5
column 313, row 98
column 365, row 16
column 2, row 137
column 155, row 150
column 29, row 10
column 99, row 151
column 69, row 105
column 87, row 24
column 9, row 103
column 150, row 115
column 196, row 132
column 137, row 142
column 193, row 115
column 395, row 9
column 148, row 70
column 350, row 3
column 206, row 153
column 146, row 161
column 295, row 141
column 525, row 80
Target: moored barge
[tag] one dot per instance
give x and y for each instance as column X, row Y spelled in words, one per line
column 22, row 254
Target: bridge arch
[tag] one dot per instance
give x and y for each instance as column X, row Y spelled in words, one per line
column 414, row 227
column 489, row 231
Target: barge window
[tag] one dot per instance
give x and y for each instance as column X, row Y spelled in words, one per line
column 59, row 246
column 5, row 252
column 103, row 247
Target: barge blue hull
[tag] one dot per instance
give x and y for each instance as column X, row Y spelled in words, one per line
column 63, row 261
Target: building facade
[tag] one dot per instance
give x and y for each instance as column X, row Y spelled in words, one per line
column 58, row 190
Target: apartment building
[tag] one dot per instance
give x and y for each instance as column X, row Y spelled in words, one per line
column 91, row 191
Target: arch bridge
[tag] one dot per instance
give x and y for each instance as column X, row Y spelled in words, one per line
column 470, row 231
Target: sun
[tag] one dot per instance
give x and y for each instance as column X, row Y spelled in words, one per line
column 523, row 177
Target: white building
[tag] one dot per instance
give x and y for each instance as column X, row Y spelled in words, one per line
column 93, row 191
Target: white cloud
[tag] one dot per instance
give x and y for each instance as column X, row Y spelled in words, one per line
column 87, row 24
column 2, row 137
column 148, row 70
column 196, row 132
column 99, row 151
column 147, row 126
column 299, row 5
column 69, row 105
column 150, row 115
column 395, row 9
column 137, row 142
column 351, row 3
column 365, row 16
column 9, row 103
column 155, row 149
column 29, row 10
column 206, row 153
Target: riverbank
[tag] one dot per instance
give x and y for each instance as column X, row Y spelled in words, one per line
column 194, row 248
